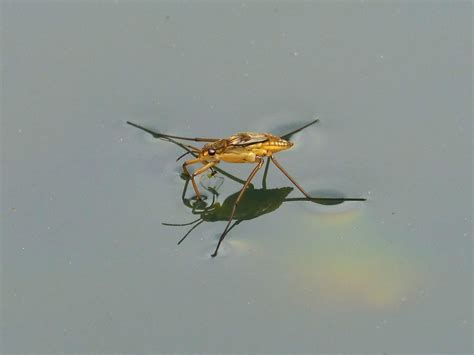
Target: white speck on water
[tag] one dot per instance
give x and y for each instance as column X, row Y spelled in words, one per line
column 22, row 248
column 252, row 43
column 49, row 227
column 296, row 54
column 120, row 140
column 19, row 131
column 211, row 107
column 70, row 262
column 381, row 57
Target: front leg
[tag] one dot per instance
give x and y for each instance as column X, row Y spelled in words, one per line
column 197, row 172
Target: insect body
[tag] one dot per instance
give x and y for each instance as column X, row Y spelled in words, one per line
column 246, row 147
column 243, row 148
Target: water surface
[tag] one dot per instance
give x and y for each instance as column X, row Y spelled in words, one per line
column 87, row 266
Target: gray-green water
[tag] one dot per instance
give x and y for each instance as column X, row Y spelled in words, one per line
column 86, row 264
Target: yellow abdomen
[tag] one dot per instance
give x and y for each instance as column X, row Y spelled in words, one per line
column 276, row 144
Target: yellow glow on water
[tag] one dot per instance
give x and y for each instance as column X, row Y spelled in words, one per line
column 341, row 217
column 350, row 265
column 343, row 213
column 240, row 247
column 368, row 282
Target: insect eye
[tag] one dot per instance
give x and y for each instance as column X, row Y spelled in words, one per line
column 211, row 151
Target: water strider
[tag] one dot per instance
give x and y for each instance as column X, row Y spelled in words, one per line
column 244, row 147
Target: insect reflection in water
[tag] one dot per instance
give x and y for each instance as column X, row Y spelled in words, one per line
column 245, row 147
column 254, row 203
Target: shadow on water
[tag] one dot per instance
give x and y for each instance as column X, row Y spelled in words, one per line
column 253, row 204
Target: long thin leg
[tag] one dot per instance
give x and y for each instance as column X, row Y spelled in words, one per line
column 190, row 149
column 181, row 224
column 189, row 231
column 162, row 135
column 289, row 134
column 190, row 162
column 234, row 208
column 183, row 155
column 236, row 223
column 185, row 188
column 185, row 164
column 197, row 172
column 317, row 199
column 265, row 173
column 304, row 192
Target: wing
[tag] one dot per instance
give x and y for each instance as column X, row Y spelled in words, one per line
column 247, row 138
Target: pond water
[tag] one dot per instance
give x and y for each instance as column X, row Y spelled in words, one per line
column 88, row 267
